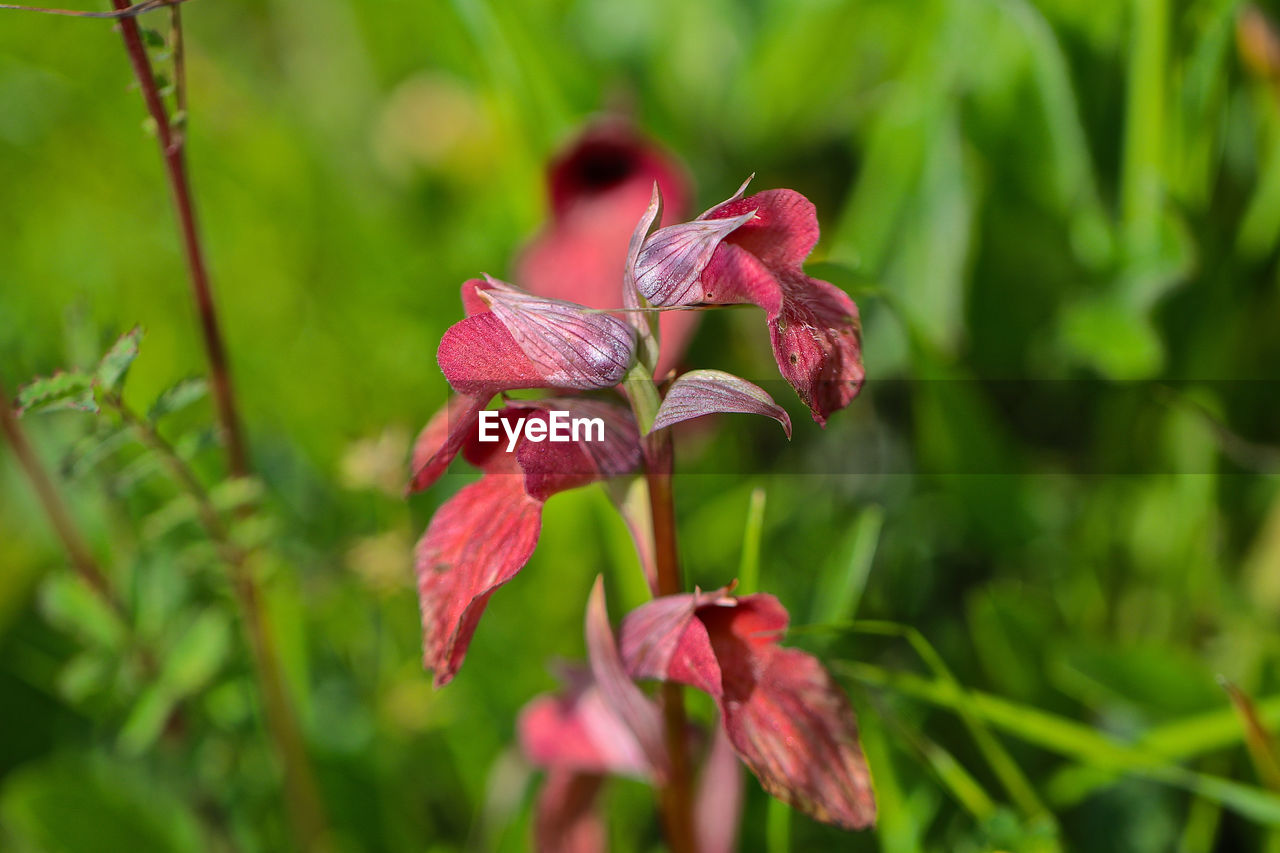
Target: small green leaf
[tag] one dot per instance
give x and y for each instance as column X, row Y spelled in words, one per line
column 178, row 396
column 61, row 391
column 198, row 654
column 83, row 676
column 114, row 365
column 152, row 37
column 69, row 604
column 146, row 720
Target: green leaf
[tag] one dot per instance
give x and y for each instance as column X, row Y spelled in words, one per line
column 75, row 803
column 114, row 365
column 146, row 720
column 71, row 605
column 198, row 654
column 61, row 391
column 178, row 396
column 151, row 37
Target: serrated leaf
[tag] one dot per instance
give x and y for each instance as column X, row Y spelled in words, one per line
column 178, row 396
column 114, row 365
column 61, row 391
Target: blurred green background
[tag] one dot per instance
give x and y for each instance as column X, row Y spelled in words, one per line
column 1079, row 193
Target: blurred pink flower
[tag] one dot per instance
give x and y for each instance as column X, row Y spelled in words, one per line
column 599, row 186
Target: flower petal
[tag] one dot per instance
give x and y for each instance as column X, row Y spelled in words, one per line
column 705, row 392
column 669, row 266
column 620, row 693
column 580, row 731
column 574, row 347
column 717, row 811
column 441, row 439
column 475, row 543
column 813, row 326
column 783, row 231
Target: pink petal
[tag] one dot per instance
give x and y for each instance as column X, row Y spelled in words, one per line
column 475, row 543
column 717, row 811
column 662, row 640
column 479, row 358
column 783, row 231
column 620, row 693
column 441, row 439
column 669, row 266
column 572, row 347
column 796, row 731
column 580, row 731
column 813, row 326
column 705, row 392
column 565, row 818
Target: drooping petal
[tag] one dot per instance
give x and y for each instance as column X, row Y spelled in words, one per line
column 441, row 439
column 795, row 729
column 573, row 347
column 706, row 392
column 565, row 818
column 787, row 720
column 475, row 543
column 783, row 230
column 580, row 731
column 620, row 693
column 670, row 265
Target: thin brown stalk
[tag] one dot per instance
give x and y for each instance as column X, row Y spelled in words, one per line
column 82, row 560
column 172, row 150
column 676, row 797
column 120, row 13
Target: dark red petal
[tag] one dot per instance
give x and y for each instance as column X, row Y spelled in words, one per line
column 796, row 731
column 475, row 543
column 706, row 392
column 608, row 157
column 472, row 304
column 572, row 347
column 783, row 231
column 565, row 819
column 813, row 325
column 641, row 716
column 440, row 440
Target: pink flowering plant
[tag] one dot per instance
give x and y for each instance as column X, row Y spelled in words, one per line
column 601, row 326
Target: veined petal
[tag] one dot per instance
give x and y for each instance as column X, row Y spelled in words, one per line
column 441, row 439
column 669, row 266
column 475, row 543
column 783, row 231
column 706, row 392
column 573, row 347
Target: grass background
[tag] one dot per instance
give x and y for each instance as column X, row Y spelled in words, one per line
column 1060, row 220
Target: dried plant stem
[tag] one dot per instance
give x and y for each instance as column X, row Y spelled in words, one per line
column 82, row 560
column 171, row 148
column 676, row 798
column 305, row 807
column 306, row 811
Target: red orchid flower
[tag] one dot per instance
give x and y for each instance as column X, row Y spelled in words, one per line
column 482, row 536
column 511, row 339
column 598, row 187
column 603, row 724
column 752, row 250
column 787, row 720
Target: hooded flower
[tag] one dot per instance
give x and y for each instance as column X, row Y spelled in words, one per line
column 599, row 186
column 482, row 536
column 511, row 339
column 787, row 720
column 752, row 250
column 603, row 724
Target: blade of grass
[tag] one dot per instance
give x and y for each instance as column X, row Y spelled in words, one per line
column 749, row 565
column 1261, row 746
column 896, row 827
column 1072, row 739
column 840, row 588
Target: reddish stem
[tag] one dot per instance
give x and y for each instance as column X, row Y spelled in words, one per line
column 171, row 148
column 676, row 798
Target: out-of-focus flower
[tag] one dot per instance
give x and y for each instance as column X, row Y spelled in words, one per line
column 786, row 718
column 512, row 339
column 599, row 186
column 482, row 536
column 752, row 250
column 434, row 122
column 379, row 560
column 376, row 462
